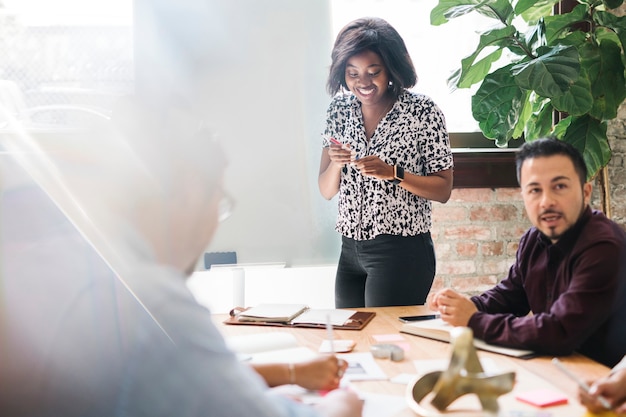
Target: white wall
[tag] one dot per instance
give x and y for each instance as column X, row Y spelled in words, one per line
column 256, row 73
column 221, row 289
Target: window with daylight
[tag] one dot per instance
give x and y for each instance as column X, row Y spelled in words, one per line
column 65, row 60
column 437, row 51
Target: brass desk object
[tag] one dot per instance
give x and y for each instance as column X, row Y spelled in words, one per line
column 465, row 375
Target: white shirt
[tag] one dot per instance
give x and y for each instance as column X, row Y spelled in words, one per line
column 412, row 135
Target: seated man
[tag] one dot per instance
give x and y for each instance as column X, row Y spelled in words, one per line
column 569, row 273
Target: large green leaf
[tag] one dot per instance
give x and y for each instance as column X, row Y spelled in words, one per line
column 525, row 113
column 523, row 5
column 449, row 9
column 612, row 4
column 532, row 10
column 606, row 74
column 552, row 73
column 465, row 78
column 497, row 105
column 577, row 100
column 615, row 23
column 472, row 71
column 559, row 25
column 561, row 127
column 588, row 135
column 540, row 123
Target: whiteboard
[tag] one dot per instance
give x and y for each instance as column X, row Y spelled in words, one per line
column 256, row 72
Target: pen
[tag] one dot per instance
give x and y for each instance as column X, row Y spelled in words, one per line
column 329, row 330
column 582, row 384
column 336, row 142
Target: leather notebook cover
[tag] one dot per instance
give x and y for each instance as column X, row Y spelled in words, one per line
column 357, row 321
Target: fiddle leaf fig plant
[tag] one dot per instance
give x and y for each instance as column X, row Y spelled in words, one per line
column 570, row 64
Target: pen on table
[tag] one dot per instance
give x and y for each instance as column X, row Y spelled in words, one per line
column 329, row 330
column 582, row 384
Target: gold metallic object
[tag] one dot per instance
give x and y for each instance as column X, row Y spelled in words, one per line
column 465, row 375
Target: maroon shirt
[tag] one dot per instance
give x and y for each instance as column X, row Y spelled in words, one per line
column 574, row 289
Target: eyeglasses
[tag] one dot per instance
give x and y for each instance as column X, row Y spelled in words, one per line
column 226, row 207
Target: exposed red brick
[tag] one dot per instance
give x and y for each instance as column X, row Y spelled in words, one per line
column 494, row 213
column 471, row 194
column 492, row 248
column 449, row 214
column 456, row 267
column 474, row 285
column 508, row 194
column 466, row 249
column 468, row 232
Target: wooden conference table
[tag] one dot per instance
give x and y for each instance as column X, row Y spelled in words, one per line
column 531, row 374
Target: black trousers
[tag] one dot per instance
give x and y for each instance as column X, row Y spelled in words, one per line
column 385, row 271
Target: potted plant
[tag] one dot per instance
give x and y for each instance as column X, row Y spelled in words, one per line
column 562, row 76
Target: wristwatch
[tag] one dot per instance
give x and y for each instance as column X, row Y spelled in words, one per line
column 398, row 174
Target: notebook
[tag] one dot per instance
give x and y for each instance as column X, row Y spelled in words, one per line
column 299, row 315
column 440, row 330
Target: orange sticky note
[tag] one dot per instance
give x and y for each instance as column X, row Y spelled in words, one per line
column 542, row 398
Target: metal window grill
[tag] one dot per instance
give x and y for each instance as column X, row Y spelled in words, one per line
column 63, row 66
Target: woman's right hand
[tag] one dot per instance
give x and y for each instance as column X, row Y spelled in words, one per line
column 340, row 154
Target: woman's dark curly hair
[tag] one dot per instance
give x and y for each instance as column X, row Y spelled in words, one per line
column 376, row 35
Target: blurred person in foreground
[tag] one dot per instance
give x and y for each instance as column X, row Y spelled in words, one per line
column 98, row 320
column 566, row 290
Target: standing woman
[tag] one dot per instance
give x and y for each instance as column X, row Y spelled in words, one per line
column 387, row 153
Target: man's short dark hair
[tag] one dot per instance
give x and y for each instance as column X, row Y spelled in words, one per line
column 549, row 147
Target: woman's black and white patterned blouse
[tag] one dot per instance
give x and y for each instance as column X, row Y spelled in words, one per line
column 413, row 135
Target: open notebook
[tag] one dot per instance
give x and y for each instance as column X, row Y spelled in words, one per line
column 440, row 330
column 299, row 315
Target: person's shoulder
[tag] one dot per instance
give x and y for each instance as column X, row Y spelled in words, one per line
column 601, row 227
column 414, row 97
column 414, row 100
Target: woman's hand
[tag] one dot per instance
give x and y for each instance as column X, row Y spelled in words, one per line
column 340, row 154
column 373, row 166
column 321, row 373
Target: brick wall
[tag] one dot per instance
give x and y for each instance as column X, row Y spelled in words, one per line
column 476, row 232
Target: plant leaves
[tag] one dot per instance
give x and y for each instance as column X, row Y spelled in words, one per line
column 473, row 72
column 552, row 73
column 615, row 23
column 497, row 105
column 476, row 73
column 539, row 125
column 612, row 4
column 559, row 25
column 529, row 8
column 525, row 114
column 588, row 135
column 500, row 10
column 606, row 74
column 561, row 127
column 577, row 100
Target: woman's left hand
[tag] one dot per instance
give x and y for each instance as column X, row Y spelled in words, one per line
column 373, row 166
